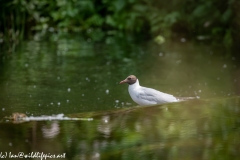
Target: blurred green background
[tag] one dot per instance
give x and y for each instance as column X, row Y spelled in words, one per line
column 214, row 20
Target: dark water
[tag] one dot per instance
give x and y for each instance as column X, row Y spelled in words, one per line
column 79, row 78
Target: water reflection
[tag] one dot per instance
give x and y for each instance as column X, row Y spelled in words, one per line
column 105, row 126
column 51, row 131
column 207, row 128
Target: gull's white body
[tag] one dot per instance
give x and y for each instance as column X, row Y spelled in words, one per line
column 148, row 96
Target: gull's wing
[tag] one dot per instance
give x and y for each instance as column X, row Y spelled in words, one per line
column 155, row 97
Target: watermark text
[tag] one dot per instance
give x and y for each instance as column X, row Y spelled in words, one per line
column 40, row 155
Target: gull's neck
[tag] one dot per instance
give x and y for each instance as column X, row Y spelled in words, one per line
column 135, row 85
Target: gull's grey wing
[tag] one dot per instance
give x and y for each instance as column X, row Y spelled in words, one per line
column 155, row 97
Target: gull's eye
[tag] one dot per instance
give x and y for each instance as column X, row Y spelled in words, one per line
column 129, row 78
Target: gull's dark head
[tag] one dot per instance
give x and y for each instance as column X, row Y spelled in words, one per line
column 130, row 80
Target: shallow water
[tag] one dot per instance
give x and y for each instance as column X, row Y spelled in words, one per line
column 79, row 78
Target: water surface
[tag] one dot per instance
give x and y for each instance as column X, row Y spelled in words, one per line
column 80, row 78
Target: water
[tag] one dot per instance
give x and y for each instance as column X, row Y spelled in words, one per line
column 80, row 79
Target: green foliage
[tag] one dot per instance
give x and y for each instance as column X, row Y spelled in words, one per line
column 203, row 17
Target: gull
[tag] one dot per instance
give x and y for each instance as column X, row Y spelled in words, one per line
column 146, row 96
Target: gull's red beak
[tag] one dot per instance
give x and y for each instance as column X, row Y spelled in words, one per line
column 123, row 81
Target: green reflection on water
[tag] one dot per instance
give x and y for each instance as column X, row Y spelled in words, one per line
column 80, row 79
column 202, row 129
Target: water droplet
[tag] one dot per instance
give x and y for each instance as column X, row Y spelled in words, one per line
column 87, row 79
column 179, row 61
column 51, row 29
column 107, row 91
column 183, row 40
column 161, row 54
column 224, row 66
column 69, row 89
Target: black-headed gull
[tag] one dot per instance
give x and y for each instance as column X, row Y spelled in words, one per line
column 146, row 96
